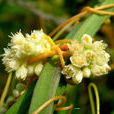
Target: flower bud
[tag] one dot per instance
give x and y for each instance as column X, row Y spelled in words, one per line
column 38, row 68
column 77, row 77
column 86, row 72
column 21, row 72
column 15, row 93
column 87, row 41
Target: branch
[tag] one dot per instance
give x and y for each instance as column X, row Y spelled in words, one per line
column 31, row 8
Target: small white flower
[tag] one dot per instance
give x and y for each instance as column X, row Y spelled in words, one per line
column 78, row 77
column 78, row 60
column 99, row 45
column 17, row 39
column 90, row 56
column 38, row 68
column 21, row 72
column 86, row 72
column 69, row 71
column 86, row 40
column 106, row 68
column 12, row 65
column 75, row 46
column 100, row 70
column 102, row 58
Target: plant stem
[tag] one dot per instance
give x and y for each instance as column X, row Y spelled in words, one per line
column 62, row 30
column 92, row 85
column 5, row 90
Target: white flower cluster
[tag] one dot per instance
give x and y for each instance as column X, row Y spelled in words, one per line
column 23, row 48
column 88, row 59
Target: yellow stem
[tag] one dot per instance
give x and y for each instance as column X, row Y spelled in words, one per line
column 5, row 90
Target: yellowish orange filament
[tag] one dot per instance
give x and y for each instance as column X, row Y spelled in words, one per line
column 76, row 17
column 48, row 54
column 63, row 41
column 59, row 52
column 58, row 105
column 83, row 13
column 43, row 56
column 95, row 10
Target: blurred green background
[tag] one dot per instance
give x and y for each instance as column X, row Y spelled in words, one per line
column 27, row 15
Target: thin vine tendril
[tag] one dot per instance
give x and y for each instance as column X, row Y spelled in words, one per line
column 92, row 85
column 4, row 94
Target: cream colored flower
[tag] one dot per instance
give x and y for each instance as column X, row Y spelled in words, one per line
column 86, row 72
column 99, row 45
column 23, row 49
column 90, row 56
column 86, row 40
column 38, row 68
column 76, row 46
column 12, row 65
column 100, row 70
column 102, row 58
column 78, row 60
column 69, row 71
column 77, row 78
column 73, row 73
column 21, row 72
column 17, row 39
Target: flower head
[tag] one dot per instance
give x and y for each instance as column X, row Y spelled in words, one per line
column 88, row 58
column 78, row 60
column 22, row 48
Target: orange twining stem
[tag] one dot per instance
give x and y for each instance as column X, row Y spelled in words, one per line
column 59, row 52
column 46, row 55
column 43, row 56
column 105, row 6
column 63, row 41
column 58, row 105
column 83, row 13
column 76, row 17
column 65, row 108
column 98, row 11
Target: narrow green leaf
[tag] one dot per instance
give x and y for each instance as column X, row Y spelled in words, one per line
column 45, row 88
column 22, row 105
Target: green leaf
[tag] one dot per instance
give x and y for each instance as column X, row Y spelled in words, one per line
column 45, row 88
column 22, row 105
